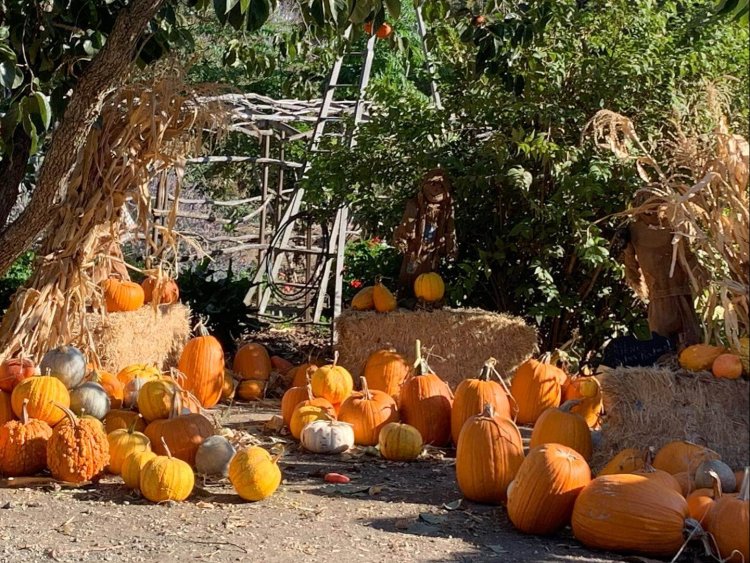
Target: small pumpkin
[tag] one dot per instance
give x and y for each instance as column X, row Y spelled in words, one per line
column 729, row 523
column 202, row 362
column 327, row 436
column 252, row 361
column 488, row 455
column 13, row 371
column 382, row 298
column 166, row 478
column 213, row 456
column 560, row 426
column 132, row 465
column 426, row 402
column 314, row 408
column 117, row 419
column 589, row 392
column 400, row 442
column 163, row 290
column 678, row 456
column 368, row 411
column 78, row 449
column 229, row 387
column 23, row 445
column 545, row 488
column 386, row 370
column 91, row 399
column 699, row 357
column 301, row 374
column 429, row 287
column 185, row 433
column 44, row 394
column 132, row 389
column 332, row 382
column 251, row 389
column 111, row 385
column 122, row 295
column 626, row 461
column 254, row 474
column 6, row 408
column 727, row 366
column 144, row 371
column 536, row 386
column 662, row 477
column 66, row 363
column 473, row 393
column 155, row 399
column 364, row 299
column 704, row 479
column 124, row 442
column 293, row 397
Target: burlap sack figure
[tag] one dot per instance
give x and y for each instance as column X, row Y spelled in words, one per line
column 427, row 231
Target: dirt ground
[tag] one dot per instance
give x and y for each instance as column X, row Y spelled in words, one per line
column 389, row 512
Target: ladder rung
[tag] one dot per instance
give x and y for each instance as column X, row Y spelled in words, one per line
column 354, row 53
column 344, row 85
column 302, row 250
column 331, row 118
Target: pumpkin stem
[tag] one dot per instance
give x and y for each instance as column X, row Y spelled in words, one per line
column 25, row 412
column 648, row 460
column 717, row 484
column 166, row 447
column 131, row 429
column 69, row 413
column 490, row 363
column 487, row 368
column 310, row 395
column 335, row 358
column 745, row 488
column 420, row 365
column 200, row 327
column 365, row 390
column 488, row 410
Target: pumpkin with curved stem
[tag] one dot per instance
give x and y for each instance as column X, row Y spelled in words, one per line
column 536, row 386
column 122, row 296
column 111, row 385
column 545, row 488
column 143, row 371
column 662, row 477
column 363, row 300
column 6, row 408
column 254, row 474
column 66, row 363
column 327, row 436
column 488, row 455
column 251, row 389
column 386, row 370
column 44, row 394
column 78, row 449
column 382, row 297
column 301, row 374
column 678, row 456
column 185, row 433
column 117, row 419
column 293, row 397
column 23, row 445
column 426, row 402
column 155, row 399
column 314, row 408
column 560, row 426
column 429, row 287
column 132, row 465
column 91, row 399
column 472, row 394
column 252, row 361
column 122, row 443
column 700, row 502
column 699, row 357
column 729, row 523
column 368, row 411
column 202, row 362
column 213, row 456
column 332, row 382
column 705, row 480
column 626, row 461
column 165, row 477
column 400, row 442
column 13, row 371
column 164, row 290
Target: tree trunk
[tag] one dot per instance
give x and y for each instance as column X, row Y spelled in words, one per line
column 106, row 71
column 12, row 170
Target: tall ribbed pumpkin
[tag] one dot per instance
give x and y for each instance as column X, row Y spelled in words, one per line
column 536, row 386
column 368, row 411
column 560, row 426
column 488, row 455
column 252, row 361
column 385, row 371
column 426, row 402
column 202, row 362
column 472, row 394
column 729, row 523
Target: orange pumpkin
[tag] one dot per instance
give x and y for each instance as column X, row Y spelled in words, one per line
column 729, row 524
column 122, row 296
column 202, row 362
column 301, row 374
column 185, row 433
column 13, row 371
column 386, row 370
column 315, row 408
column 44, row 393
column 589, row 393
column 662, row 477
column 536, row 386
column 728, row 366
column 118, row 419
column 426, row 402
column 6, row 408
column 133, row 371
column 23, row 446
column 542, row 495
column 700, row 502
column 368, row 411
column 383, row 299
column 252, row 362
column 488, row 456
column 686, row 481
column 332, row 382
column 78, row 449
column 228, row 387
column 281, row 365
column 678, row 456
column 111, row 385
column 292, row 398
column 472, row 394
column 626, row 461
column 251, row 389
column 164, row 290
column 560, row 426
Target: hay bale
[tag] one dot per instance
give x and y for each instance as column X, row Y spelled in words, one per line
column 652, row 406
column 142, row 336
column 458, row 340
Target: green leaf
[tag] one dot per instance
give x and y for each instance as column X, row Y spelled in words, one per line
column 43, row 108
column 7, row 74
column 258, row 14
column 361, row 11
column 220, row 9
column 394, row 8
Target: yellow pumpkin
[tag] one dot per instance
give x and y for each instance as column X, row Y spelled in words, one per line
column 364, row 299
column 122, row 443
column 699, row 357
column 144, row 371
column 332, row 382
column 165, row 478
column 400, row 442
column 155, row 399
column 132, row 465
column 429, row 287
column 254, row 474
column 383, row 299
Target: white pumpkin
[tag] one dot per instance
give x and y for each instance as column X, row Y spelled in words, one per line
column 66, row 363
column 327, row 436
column 91, row 399
column 725, row 474
column 132, row 388
column 213, row 456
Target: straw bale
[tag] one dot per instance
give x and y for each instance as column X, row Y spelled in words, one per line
column 456, row 341
column 652, row 406
column 144, row 336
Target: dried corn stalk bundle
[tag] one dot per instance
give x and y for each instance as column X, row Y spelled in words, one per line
column 699, row 189
column 145, row 128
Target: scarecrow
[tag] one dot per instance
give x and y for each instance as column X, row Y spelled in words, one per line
column 427, row 231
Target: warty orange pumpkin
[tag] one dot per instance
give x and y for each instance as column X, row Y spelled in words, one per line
column 78, row 449
column 23, row 445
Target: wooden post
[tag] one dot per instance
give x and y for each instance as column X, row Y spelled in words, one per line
column 264, row 192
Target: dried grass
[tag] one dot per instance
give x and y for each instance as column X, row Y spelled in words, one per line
column 700, row 190
column 457, row 342
column 652, row 406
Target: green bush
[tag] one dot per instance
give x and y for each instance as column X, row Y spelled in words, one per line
column 15, row 277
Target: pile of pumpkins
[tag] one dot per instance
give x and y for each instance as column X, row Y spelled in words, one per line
column 124, row 295
column 722, row 362
column 400, row 407
column 429, row 288
column 79, row 422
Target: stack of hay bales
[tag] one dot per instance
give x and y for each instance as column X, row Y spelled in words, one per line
column 653, row 406
column 456, row 341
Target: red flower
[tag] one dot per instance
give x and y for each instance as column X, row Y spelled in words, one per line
column 374, row 241
column 356, row 284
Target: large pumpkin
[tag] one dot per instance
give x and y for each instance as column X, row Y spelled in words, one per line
column 662, row 477
column 400, row 442
column 386, row 370
column 699, row 357
column 332, row 382
column 202, row 362
column 120, row 295
column 166, row 478
column 183, row 432
column 560, row 426
column 44, row 393
column 368, row 411
column 23, row 446
column 78, row 449
column 536, row 386
column 252, row 362
column 254, row 474
column 542, row 495
column 426, row 402
column 678, row 456
column 488, row 455
column 472, row 394
column 122, row 443
column 729, row 524
column 630, row 513
column 111, row 385
column 13, row 371
column 162, row 290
